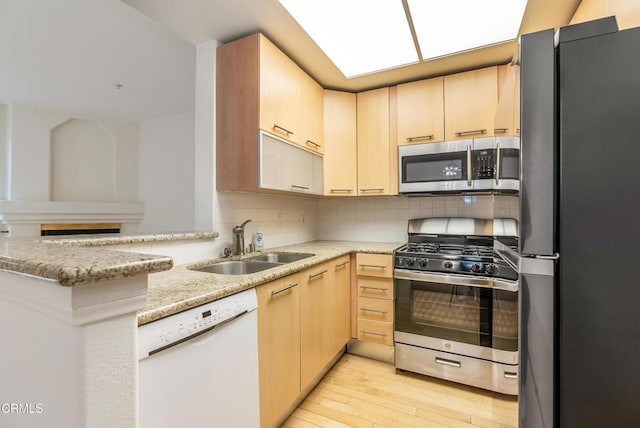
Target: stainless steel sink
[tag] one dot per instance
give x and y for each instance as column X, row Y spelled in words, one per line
column 277, row 257
column 237, row 267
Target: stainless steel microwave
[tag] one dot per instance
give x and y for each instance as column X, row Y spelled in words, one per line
column 490, row 164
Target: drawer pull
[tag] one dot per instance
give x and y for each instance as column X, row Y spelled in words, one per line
column 283, row 289
column 295, row 186
column 373, row 266
column 511, row 375
column 285, row 130
column 374, row 310
column 475, row 131
column 378, row 189
column 339, row 265
column 374, row 333
column 341, row 190
column 371, row 287
column 500, row 130
column 317, row 274
column 446, row 362
column 316, row 145
column 420, row 137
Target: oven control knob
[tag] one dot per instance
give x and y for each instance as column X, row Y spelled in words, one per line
column 491, row 269
column 476, row 267
column 423, row 263
column 448, row 265
column 411, row 261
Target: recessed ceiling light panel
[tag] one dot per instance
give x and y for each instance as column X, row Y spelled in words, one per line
column 450, row 26
column 358, row 36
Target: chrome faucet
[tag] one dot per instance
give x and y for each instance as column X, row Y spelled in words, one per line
column 238, row 239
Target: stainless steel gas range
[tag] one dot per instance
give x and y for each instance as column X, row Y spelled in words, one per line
column 456, row 302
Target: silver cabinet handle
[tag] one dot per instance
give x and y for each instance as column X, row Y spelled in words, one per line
column 469, row 165
column 276, row 126
column 446, row 362
column 373, row 333
column 371, row 287
column 474, row 131
column 378, row 311
column 511, row 375
column 373, row 190
column 283, row 289
column 316, row 145
column 372, row 266
column 339, row 265
column 341, row 190
column 420, row 137
column 500, row 130
column 299, row 187
column 497, row 163
column 317, row 274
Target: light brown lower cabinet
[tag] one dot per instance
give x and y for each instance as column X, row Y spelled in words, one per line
column 278, row 346
column 303, row 322
column 374, row 282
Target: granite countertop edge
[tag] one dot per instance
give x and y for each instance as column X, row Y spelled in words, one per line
column 180, row 289
column 105, row 240
column 80, row 260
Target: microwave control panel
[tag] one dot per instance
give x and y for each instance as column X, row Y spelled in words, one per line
column 484, row 164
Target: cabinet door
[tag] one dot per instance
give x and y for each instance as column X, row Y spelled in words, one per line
column 313, row 302
column 285, row 166
column 297, row 168
column 280, row 93
column 340, row 156
column 373, row 142
column 339, row 300
column 312, row 114
column 470, row 101
column 504, row 118
column 278, row 346
column 317, row 184
column 421, row 111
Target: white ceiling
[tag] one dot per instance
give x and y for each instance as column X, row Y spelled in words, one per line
column 68, row 55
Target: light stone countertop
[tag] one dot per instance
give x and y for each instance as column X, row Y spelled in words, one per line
column 113, row 239
column 180, row 288
column 73, row 265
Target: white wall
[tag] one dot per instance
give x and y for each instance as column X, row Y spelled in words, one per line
column 28, row 149
column 385, row 219
column 166, row 175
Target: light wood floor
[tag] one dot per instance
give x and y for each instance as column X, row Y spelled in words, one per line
column 359, row 392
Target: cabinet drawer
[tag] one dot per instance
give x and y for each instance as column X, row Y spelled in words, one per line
column 375, row 309
column 379, row 288
column 374, row 265
column 375, row 331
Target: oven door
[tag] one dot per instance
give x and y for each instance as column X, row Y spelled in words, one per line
column 435, row 167
column 474, row 316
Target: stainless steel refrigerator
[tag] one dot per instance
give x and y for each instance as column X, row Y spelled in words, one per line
column 579, row 229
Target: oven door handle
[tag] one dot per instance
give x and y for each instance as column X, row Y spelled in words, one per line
column 483, row 282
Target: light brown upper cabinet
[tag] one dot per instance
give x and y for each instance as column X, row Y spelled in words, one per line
column 470, row 101
column 421, row 111
column 377, row 157
column 507, row 118
column 260, row 88
column 627, row 12
column 312, row 109
column 280, row 93
column 340, row 154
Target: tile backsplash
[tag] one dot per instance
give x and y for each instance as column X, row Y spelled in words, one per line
column 385, row 219
column 283, row 220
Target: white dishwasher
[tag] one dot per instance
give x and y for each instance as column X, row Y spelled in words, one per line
column 199, row 368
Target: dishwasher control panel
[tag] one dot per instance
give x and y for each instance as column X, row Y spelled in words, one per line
column 174, row 329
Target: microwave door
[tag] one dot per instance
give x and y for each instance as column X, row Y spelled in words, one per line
column 435, row 167
column 508, row 164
